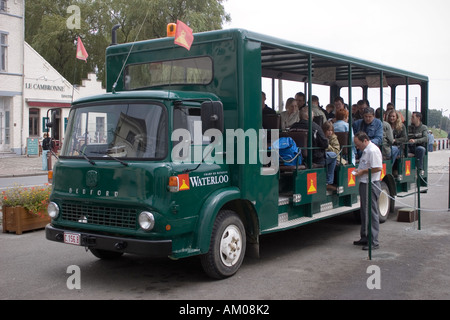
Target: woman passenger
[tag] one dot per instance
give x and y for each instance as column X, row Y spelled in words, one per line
column 291, row 115
column 399, row 131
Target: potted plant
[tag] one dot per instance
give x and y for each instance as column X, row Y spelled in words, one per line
column 25, row 208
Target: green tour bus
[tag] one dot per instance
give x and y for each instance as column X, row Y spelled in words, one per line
column 173, row 160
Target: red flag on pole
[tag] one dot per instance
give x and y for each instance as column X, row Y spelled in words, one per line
column 81, row 51
column 184, row 35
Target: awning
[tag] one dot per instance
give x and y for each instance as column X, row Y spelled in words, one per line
column 48, row 104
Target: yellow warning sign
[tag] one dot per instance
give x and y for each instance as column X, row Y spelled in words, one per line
column 408, row 168
column 311, row 179
column 383, row 171
column 184, row 182
column 351, row 178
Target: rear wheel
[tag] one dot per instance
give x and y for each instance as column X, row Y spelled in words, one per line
column 227, row 248
column 385, row 202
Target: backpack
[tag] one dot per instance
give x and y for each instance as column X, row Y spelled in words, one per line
column 290, row 154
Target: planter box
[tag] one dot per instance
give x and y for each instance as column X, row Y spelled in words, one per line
column 18, row 219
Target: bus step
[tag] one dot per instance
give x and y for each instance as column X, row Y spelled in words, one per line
column 283, row 200
column 284, row 222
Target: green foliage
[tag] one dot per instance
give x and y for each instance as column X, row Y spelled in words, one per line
column 47, row 32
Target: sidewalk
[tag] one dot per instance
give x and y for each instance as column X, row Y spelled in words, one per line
column 12, row 165
column 19, row 166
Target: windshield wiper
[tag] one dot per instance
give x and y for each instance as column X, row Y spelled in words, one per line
column 118, row 160
column 114, row 158
column 86, row 157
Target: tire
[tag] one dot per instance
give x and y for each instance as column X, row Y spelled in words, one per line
column 105, row 254
column 384, row 202
column 227, row 247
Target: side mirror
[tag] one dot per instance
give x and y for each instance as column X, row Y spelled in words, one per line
column 212, row 115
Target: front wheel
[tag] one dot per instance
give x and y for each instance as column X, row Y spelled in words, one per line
column 227, row 248
column 105, row 254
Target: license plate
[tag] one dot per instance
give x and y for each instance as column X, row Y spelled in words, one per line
column 72, row 238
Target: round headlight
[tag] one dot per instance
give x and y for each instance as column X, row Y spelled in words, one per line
column 146, row 220
column 53, row 210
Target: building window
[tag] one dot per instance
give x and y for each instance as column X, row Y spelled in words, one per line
column 3, row 51
column 7, row 131
column 33, row 130
column 3, row 6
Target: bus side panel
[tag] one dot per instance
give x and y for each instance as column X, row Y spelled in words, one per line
column 267, row 201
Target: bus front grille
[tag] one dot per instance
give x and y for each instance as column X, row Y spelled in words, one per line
column 100, row 215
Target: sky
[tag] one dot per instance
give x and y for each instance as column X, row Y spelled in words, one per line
column 413, row 35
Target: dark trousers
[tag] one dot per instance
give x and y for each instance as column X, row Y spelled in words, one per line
column 419, row 151
column 363, row 194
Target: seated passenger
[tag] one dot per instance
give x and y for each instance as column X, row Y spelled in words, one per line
column 355, row 112
column 265, row 108
column 389, row 107
column 334, row 148
column 320, row 142
column 361, row 105
column 290, row 116
column 339, row 104
column 317, row 111
column 398, row 131
column 330, row 111
column 388, row 139
column 371, row 126
column 301, row 100
column 418, row 138
column 341, row 125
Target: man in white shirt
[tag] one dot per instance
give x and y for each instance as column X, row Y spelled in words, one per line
column 371, row 159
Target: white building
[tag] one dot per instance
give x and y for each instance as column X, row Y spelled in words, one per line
column 12, row 26
column 30, row 86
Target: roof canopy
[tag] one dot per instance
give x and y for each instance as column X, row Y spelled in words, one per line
column 282, row 59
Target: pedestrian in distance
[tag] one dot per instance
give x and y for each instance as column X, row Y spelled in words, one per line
column 47, row 145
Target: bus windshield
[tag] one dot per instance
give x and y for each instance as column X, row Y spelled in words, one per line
column 122, row 130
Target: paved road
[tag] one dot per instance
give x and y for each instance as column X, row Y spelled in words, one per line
column 316, row 261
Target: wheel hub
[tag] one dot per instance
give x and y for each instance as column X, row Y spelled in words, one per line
column 230, row 245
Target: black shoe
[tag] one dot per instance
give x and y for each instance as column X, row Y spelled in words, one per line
column 374, row 247
column 360, row 243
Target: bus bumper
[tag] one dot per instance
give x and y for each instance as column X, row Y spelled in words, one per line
column 159, row 248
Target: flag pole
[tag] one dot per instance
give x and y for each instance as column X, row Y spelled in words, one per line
column 74, row 71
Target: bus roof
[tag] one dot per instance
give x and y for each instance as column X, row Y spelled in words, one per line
column 285, row 56
column 288, row 60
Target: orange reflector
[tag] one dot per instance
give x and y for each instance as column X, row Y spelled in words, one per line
column 171, row 29
column 168, row 227
column 173, row 184
column 50, row 176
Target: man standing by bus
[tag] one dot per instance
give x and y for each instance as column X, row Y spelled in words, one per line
column 371, row 158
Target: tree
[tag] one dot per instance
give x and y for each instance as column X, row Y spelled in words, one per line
column 434, row 118
column 46, row 28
